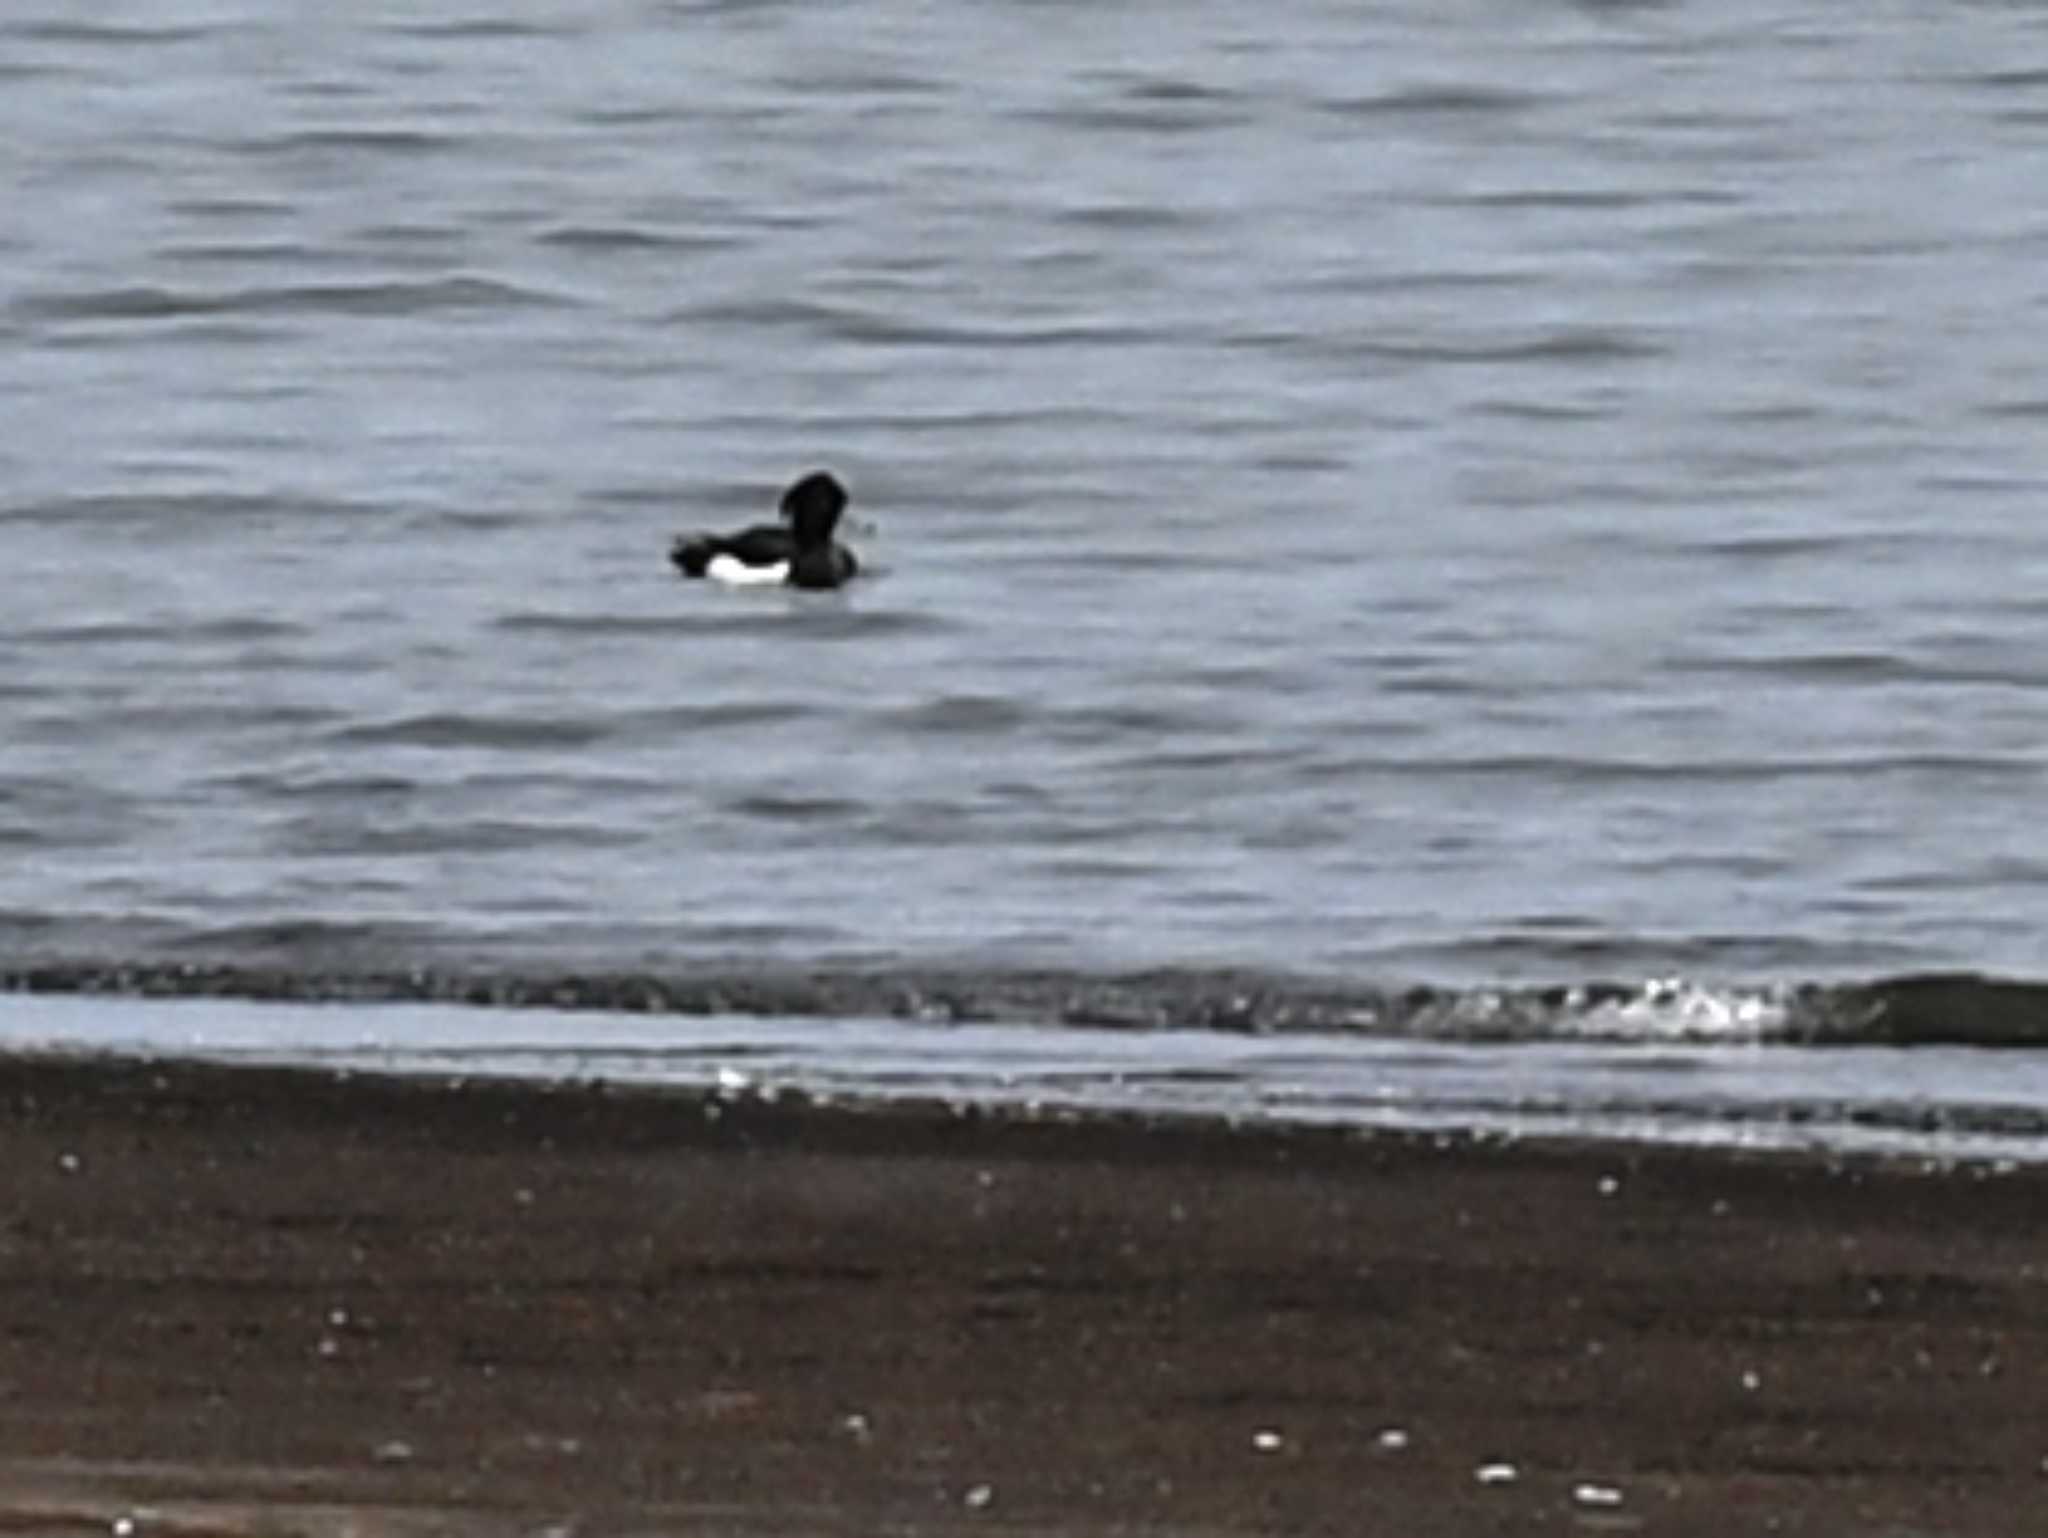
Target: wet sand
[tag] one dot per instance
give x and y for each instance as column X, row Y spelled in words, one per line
column 282, row 1302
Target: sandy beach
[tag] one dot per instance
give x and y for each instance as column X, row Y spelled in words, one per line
column 275, row 1301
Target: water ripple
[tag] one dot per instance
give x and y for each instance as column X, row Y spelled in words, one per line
column 398, row 297
column 850, row 323
column 99, row 34
column 350, row 141
column 1427, row 101
column 455, row 729
column 625, row 237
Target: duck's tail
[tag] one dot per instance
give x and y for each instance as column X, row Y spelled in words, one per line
column 692, row 553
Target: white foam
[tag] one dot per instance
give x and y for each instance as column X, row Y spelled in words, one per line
column 1936, row 1103
column 737, row 573
column 1675, row 1009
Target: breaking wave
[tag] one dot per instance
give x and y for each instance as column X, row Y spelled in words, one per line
column 1925, row 1009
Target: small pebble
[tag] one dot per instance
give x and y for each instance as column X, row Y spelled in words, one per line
column 1496, row 1473
column 1393, row 1439
column 1596, row 1495
column 979, row 1497
column 1267, row 1441
column 1609, row 1185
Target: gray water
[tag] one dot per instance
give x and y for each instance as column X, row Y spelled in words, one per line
column 1469, row 492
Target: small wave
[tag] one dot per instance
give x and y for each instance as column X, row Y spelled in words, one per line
column 1594, row 198
column 380, row 141
column 475, row 29
column 1543, row 410
column 1902, row 1011
column 138, row 302
column 292, row 937
column 1564, row 767
column 1130, row 217
column 2028, row 79
column 231, row 208
column 242, row 253
column 1782, row 547
column 864, row 83
column 1175, row 88
column 770, row 806
column 634, row 115
column 619, row 237
column 1460, row 100
column 104, row 33
column 1869, row 668
column 351, row 789
column 716, row 716
column 1938, row 1008
column 152, row 302
column 1566, row 344
column 456, row 730
column 851, row 323
column 1845, row 667
column 1143, row 115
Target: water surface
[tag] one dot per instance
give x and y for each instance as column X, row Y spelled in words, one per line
column 1471, row 494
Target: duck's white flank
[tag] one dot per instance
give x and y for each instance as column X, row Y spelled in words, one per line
column 724, row 568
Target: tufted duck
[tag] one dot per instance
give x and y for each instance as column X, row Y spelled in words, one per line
column 797, row 552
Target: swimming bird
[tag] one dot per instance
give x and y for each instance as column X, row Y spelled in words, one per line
column 797, row 552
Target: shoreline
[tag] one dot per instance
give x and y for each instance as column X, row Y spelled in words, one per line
column 1910, row 1008
column 258, row 1296
column 1945, row 1104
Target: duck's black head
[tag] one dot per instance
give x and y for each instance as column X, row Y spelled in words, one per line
column 812, row 507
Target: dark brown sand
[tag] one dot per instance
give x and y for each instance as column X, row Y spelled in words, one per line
column 254, row 1301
